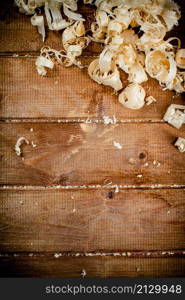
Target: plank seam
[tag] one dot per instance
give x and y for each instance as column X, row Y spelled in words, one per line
column 130, row 254
column 32, row 54
column 77, row 120
column 92, row 187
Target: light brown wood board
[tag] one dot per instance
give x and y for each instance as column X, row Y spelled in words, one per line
column 85, row 154
column 92, row 220
column 69, row 93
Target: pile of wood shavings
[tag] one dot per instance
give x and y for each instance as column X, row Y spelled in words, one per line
column 116, row 26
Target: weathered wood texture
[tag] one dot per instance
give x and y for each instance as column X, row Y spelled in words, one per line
column 78, row 154
column 24, row 266
column 69, row 93
column 90, row 220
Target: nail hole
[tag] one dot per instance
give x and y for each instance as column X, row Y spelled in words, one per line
column 142, row 155
column 110, row 194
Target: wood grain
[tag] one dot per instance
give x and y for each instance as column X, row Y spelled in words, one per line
column 78, row 154
column 25, row 94
column 86, row 221
column 23, row 266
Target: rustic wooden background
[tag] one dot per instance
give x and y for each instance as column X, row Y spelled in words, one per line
column 59, row 213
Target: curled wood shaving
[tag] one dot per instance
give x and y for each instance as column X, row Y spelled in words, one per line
column 133, row 96
column 110, row 78
column 180, row 58
column 21, row 140
column 39, row 22
column 41, row 64
column 54, row 17
column 83, row 273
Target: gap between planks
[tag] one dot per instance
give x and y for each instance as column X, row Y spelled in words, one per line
column 78, row 120
column 130, row 254
column 92, row 187
column 32, row 54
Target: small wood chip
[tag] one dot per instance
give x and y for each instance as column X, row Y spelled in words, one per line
column 116, row 189
column 33, row 145
column 57, row 255
column 149, row 100
column 83, row 273
column 117, row 145
column 146, row 164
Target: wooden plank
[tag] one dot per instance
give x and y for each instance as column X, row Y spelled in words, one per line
column 53, row 96
column 23, row 266
column 18, row 35
column 93, row 220
column 84, row 154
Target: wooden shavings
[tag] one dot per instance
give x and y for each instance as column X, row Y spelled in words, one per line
column 175, row 115
column 133, row 96
column 180, row 144
column 116, row 189
column 156, row 163
column 33, row 145
column 57, row 255
column 124, row 50
column 39, row 22
column 117, row 145
column 132, row 161
column 15, row 55
column 180, row 58
column 146, row 164
column 83, row 273
column 149, row 100
column 21, row 140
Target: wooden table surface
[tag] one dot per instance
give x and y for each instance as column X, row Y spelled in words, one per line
column 60, row 209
